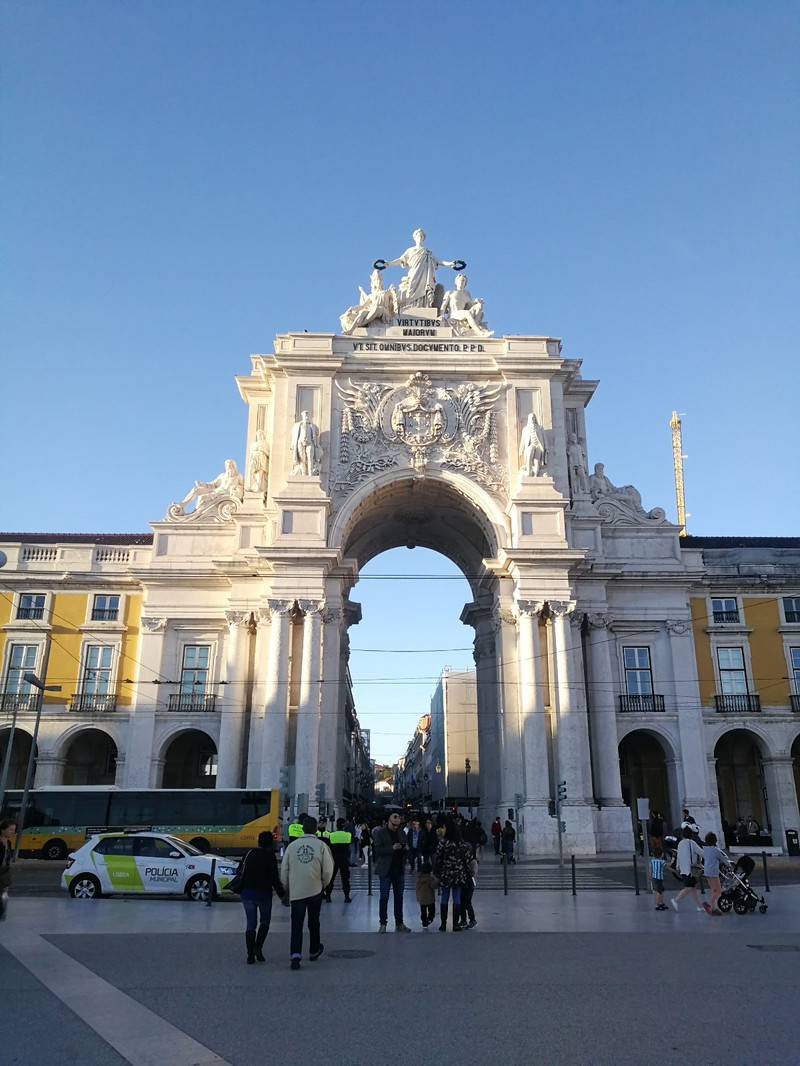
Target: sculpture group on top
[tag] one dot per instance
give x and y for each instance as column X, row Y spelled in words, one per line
column 618, row 503
column 417, row 289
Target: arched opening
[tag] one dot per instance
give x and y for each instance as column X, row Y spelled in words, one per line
column 90, row 759
column 190, row 761
column 643, row 775
column 421, row 545
column 795, row 750
column 18, row 761
column 741, row 787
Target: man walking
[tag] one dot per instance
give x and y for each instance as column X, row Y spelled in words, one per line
column 339, row 841
column 496, row 830
column 414, row 839
column 390, row 866
column 306, row 869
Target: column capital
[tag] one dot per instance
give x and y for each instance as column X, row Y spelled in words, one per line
column 598, row 619
column 680, row 627
column 503, row 616
column 484, row 648
column 238, row 619
column 311, row 606
column 332, row 614
column 532, row 607
column 280, row 606
column 153, row 625
column 561, row 608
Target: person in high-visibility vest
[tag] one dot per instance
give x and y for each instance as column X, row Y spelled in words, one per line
column 339, row 841
column 296, row 828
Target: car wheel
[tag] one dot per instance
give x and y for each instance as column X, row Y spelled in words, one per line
column 54, row 849
column 725, row 903
column 85, row 886
column 201, row 844
column 199, row 888
column 740, row 906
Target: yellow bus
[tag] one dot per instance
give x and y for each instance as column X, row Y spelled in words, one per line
column 228, row 820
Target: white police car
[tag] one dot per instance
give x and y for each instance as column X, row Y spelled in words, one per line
column 141, row 863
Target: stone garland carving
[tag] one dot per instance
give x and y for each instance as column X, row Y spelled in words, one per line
column 417, row 424
column 620, row 503
column 216, row 501
column 678, row 628
column 153, row 625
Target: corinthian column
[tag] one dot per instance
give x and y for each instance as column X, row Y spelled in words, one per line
column 573, row 735
column 231, row 725
column 603, row 716
column 531, row 701
column 273, row 751
column 331, row 727
column 307, row 748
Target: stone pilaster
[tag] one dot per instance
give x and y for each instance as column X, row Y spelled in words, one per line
column 231, row 726
column 531, row 703
column 308, row 707
column 603, row 711
column 143, row 766
column 276, row 695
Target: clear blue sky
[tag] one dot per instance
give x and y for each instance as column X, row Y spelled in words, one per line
column 182, row 180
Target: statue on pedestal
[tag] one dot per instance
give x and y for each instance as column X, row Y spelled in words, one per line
column 464, row 313
column 418, row 287
column 532, row 447
column 576, row 462
column 226, row 488
column 378, row 304
column 258, row 464
column 306, row 452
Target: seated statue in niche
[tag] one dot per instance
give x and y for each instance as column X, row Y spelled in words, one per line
column 532, row 447
column 600, row 486
column 258, row 464
column 378, row 304
column 226, row 487
column 306, row 450
column 464, row 313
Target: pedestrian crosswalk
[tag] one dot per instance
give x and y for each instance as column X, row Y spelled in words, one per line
column 529, row 877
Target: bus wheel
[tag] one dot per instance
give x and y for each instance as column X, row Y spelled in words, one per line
column 54, row 849
column 85, row 887
column 201, row 844
column 199, row 888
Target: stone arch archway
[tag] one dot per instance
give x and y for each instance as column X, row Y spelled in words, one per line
column 741, row 785
column 90, row 758
column 646, row 761
column 189, row 760
column 18, row 757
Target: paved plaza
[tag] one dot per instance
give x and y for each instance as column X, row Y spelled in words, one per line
column 545, row 978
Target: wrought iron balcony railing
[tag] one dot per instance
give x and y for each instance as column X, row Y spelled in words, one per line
column 650, row 701
column 105, row 614
column 98, row 702
column 726, row 616
column 742, row 703
column 192, row 701
column 796, row 704
column 30, row 613
column 18, row 701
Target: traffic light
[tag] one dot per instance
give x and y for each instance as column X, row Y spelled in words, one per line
column 518, row 800
column 319, row 795
column 283, row 779
column 551, row 808
column 562, row 790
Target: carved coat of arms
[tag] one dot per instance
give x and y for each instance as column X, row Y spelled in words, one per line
column 417, row 424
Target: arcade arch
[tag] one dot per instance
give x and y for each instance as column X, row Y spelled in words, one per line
column 646, row 765
column 20, row 753
column 190, row 761
column 741, row 785
column 90, row 759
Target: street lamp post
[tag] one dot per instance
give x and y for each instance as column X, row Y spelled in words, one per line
column 467, row 769
column 37, row 683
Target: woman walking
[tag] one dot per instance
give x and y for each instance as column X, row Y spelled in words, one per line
column 259, row 880
column 688, row 850
column 8, row 828
column 452, row 869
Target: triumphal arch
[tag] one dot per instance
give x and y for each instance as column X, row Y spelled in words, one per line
column 414, row 423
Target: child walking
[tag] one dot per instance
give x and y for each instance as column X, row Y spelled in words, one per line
column 657, row 864
column 426, row 894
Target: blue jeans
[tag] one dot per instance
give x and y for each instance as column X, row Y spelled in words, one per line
column 456, row 890
column 394, row 882
column 253, row 908
column 311, row 906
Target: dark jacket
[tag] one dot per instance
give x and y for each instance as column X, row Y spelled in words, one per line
column 5, row 865
column 384, row 849
column 452, row 862
column 260, row 872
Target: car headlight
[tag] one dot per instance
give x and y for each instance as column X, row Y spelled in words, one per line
column 226, row 871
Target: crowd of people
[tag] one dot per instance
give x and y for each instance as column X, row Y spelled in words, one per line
column 692, row 859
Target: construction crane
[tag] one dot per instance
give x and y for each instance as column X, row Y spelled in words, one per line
column 677, row 462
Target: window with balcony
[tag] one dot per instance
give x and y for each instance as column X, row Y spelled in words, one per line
column 733, row 696
column 725, row 610
column 18, row 695
column 31, row 606
column 96, row 691
column 193, row 694
column 794, row 659
column 639, row 695
column 791, row 608
column 105, row 609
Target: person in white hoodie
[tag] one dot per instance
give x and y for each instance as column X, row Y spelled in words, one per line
column 306, row 869
column 688, row 850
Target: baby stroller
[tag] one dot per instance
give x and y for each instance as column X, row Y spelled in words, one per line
column 736, row 890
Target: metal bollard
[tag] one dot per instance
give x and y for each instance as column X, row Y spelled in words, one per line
column 766, row 875
column 213, row 882
column 574, row 882
column 504, row 860
column 635, row 874
column 369, row 871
